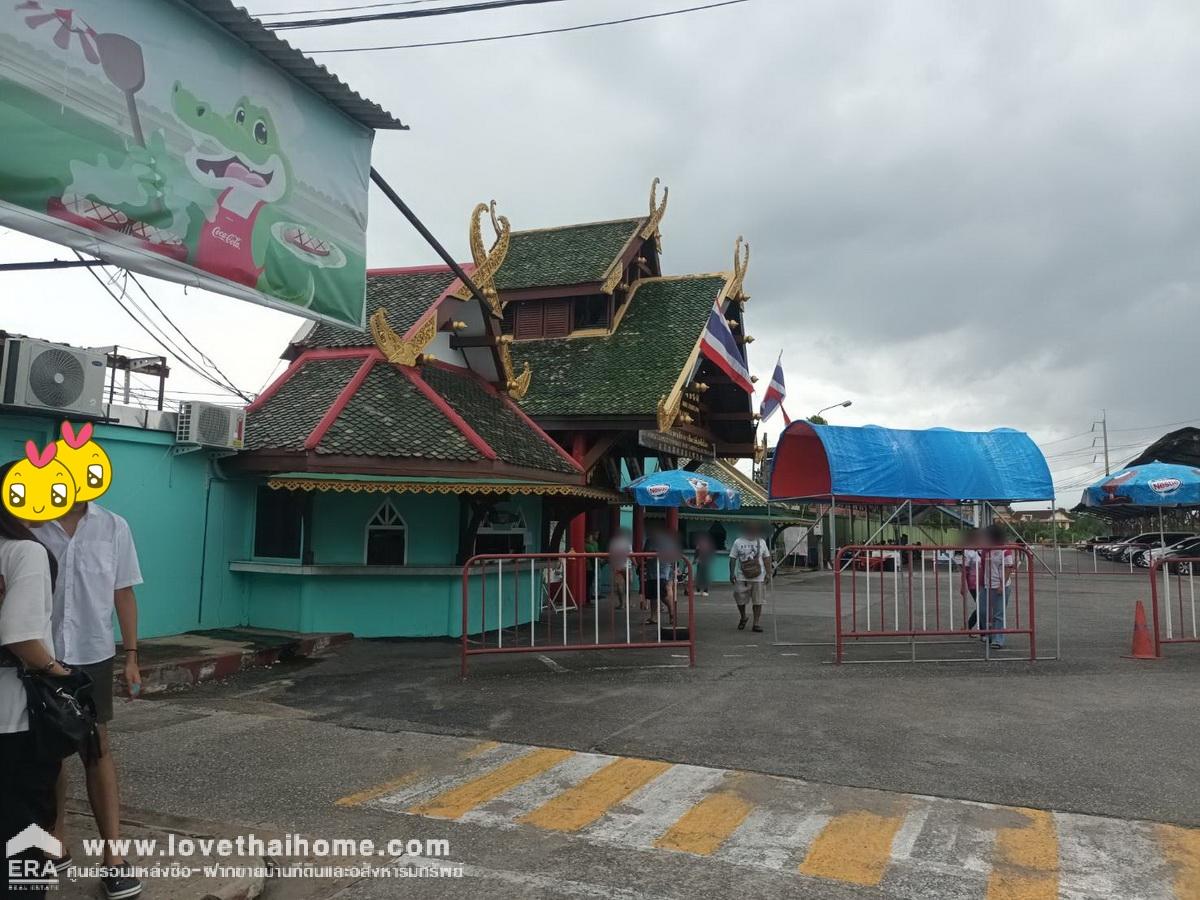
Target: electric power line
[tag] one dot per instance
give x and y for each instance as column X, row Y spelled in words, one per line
column 523, row 34
column 161, row 339
column 396, row 15
column 204, row 357
column 304, row 12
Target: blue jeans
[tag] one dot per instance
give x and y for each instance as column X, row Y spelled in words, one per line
column 991, row 611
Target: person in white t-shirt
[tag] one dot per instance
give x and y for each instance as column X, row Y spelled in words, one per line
column 749, row 570
column 996, row 585
column 27, row 777
column 97, row 571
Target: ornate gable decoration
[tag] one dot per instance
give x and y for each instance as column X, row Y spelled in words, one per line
column 395, row 348
column 487, row 262
column 651, row 228
column 741, row 262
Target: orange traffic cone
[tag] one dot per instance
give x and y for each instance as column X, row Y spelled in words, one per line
column 1143, row 643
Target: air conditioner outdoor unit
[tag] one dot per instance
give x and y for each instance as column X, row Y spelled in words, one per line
column 40, row 375
column 209, row 425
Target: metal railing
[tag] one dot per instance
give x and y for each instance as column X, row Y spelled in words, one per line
column 1181, row 628
column 532, row 608
column 912, row 599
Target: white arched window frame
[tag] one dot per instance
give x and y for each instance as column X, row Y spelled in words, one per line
column 387, row 523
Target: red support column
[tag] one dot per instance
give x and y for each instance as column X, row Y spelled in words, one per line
column 673, row 521
column 578, row 540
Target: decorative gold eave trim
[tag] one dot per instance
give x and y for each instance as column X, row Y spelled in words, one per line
column 741, row 262
column 669, row 404
column 657, row 210
column 452, row 487
column 487, row 262
column 396, row 349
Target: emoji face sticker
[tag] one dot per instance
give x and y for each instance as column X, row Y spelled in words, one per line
column 39, row 488
column 86, row 460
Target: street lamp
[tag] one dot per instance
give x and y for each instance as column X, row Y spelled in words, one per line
column 835, row 406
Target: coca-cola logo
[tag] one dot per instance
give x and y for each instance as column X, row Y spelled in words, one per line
column 1165, row 485
column 658, row 490
column 225, row 237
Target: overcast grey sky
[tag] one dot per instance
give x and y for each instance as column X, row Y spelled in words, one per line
column 962, row 214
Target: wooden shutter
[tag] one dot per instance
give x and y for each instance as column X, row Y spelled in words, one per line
column 558, row 318
column 528, row 320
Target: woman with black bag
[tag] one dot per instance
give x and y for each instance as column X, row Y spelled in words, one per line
column 28, row 770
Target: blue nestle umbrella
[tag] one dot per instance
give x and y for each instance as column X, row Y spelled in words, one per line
column 1153, row 484
column 676, row 487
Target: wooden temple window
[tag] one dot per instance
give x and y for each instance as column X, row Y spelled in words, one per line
column 281, row 524
column 387, row 538
column 540, row 319
column 591, row 312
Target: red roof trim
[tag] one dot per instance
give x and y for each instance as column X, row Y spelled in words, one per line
column 507, row 400
column 299, row 362
column 271, row 389
column 343, row 397
column 433, row 307
column 449, row 412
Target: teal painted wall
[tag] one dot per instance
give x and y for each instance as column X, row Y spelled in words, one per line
column 411, row 605
column 164, row 498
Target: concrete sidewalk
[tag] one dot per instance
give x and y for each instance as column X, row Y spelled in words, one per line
column 183, row 660
column 175, row 875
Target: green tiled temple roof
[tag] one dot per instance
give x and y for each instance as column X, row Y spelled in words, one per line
column 494, row 420
column 389, row 416
column 575, row 254
column 405, row 296
column 288, row 418
column 623, row 374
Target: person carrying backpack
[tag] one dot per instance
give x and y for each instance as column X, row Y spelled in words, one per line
column 749, row 569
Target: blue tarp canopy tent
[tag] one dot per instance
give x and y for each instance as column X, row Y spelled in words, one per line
column 870, row 464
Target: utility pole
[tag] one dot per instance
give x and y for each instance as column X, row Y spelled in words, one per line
column 1103, row 423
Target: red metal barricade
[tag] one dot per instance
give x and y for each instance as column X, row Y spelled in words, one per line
column 914, row 591
column 529, row 608
column 1177, row 623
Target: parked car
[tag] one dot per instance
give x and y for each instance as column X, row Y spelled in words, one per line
column 1155, row 543
column 1189, row 546
column 1138, row 542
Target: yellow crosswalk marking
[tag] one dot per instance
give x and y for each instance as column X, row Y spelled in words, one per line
column 854, row 847
column 456, row 801
column 707, row 825
column 365, row 796
column 1181, row 846
column 1026, row 860
column 587, row 801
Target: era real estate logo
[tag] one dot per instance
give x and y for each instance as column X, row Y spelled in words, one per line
column 32, row 872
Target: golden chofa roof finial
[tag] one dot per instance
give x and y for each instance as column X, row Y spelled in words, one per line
column 395, row 348
column 741, row 262
column 651, row 228
column 487, row 262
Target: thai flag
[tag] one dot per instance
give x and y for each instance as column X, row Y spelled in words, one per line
column 719, row 345
column 776, row 391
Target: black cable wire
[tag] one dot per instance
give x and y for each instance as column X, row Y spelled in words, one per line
column 204, row 357
column 477, row 6
column 304, row 12
column 162, row 340
column 504, row 37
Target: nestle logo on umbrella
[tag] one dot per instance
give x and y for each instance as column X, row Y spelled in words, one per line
column 658, row 490
column 1165, row 485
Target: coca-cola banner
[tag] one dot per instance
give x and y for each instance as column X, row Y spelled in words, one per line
column 144, row 133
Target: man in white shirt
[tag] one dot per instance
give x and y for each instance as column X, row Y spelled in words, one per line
column 998, row 568
column 749, row 568
column 97, row 571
